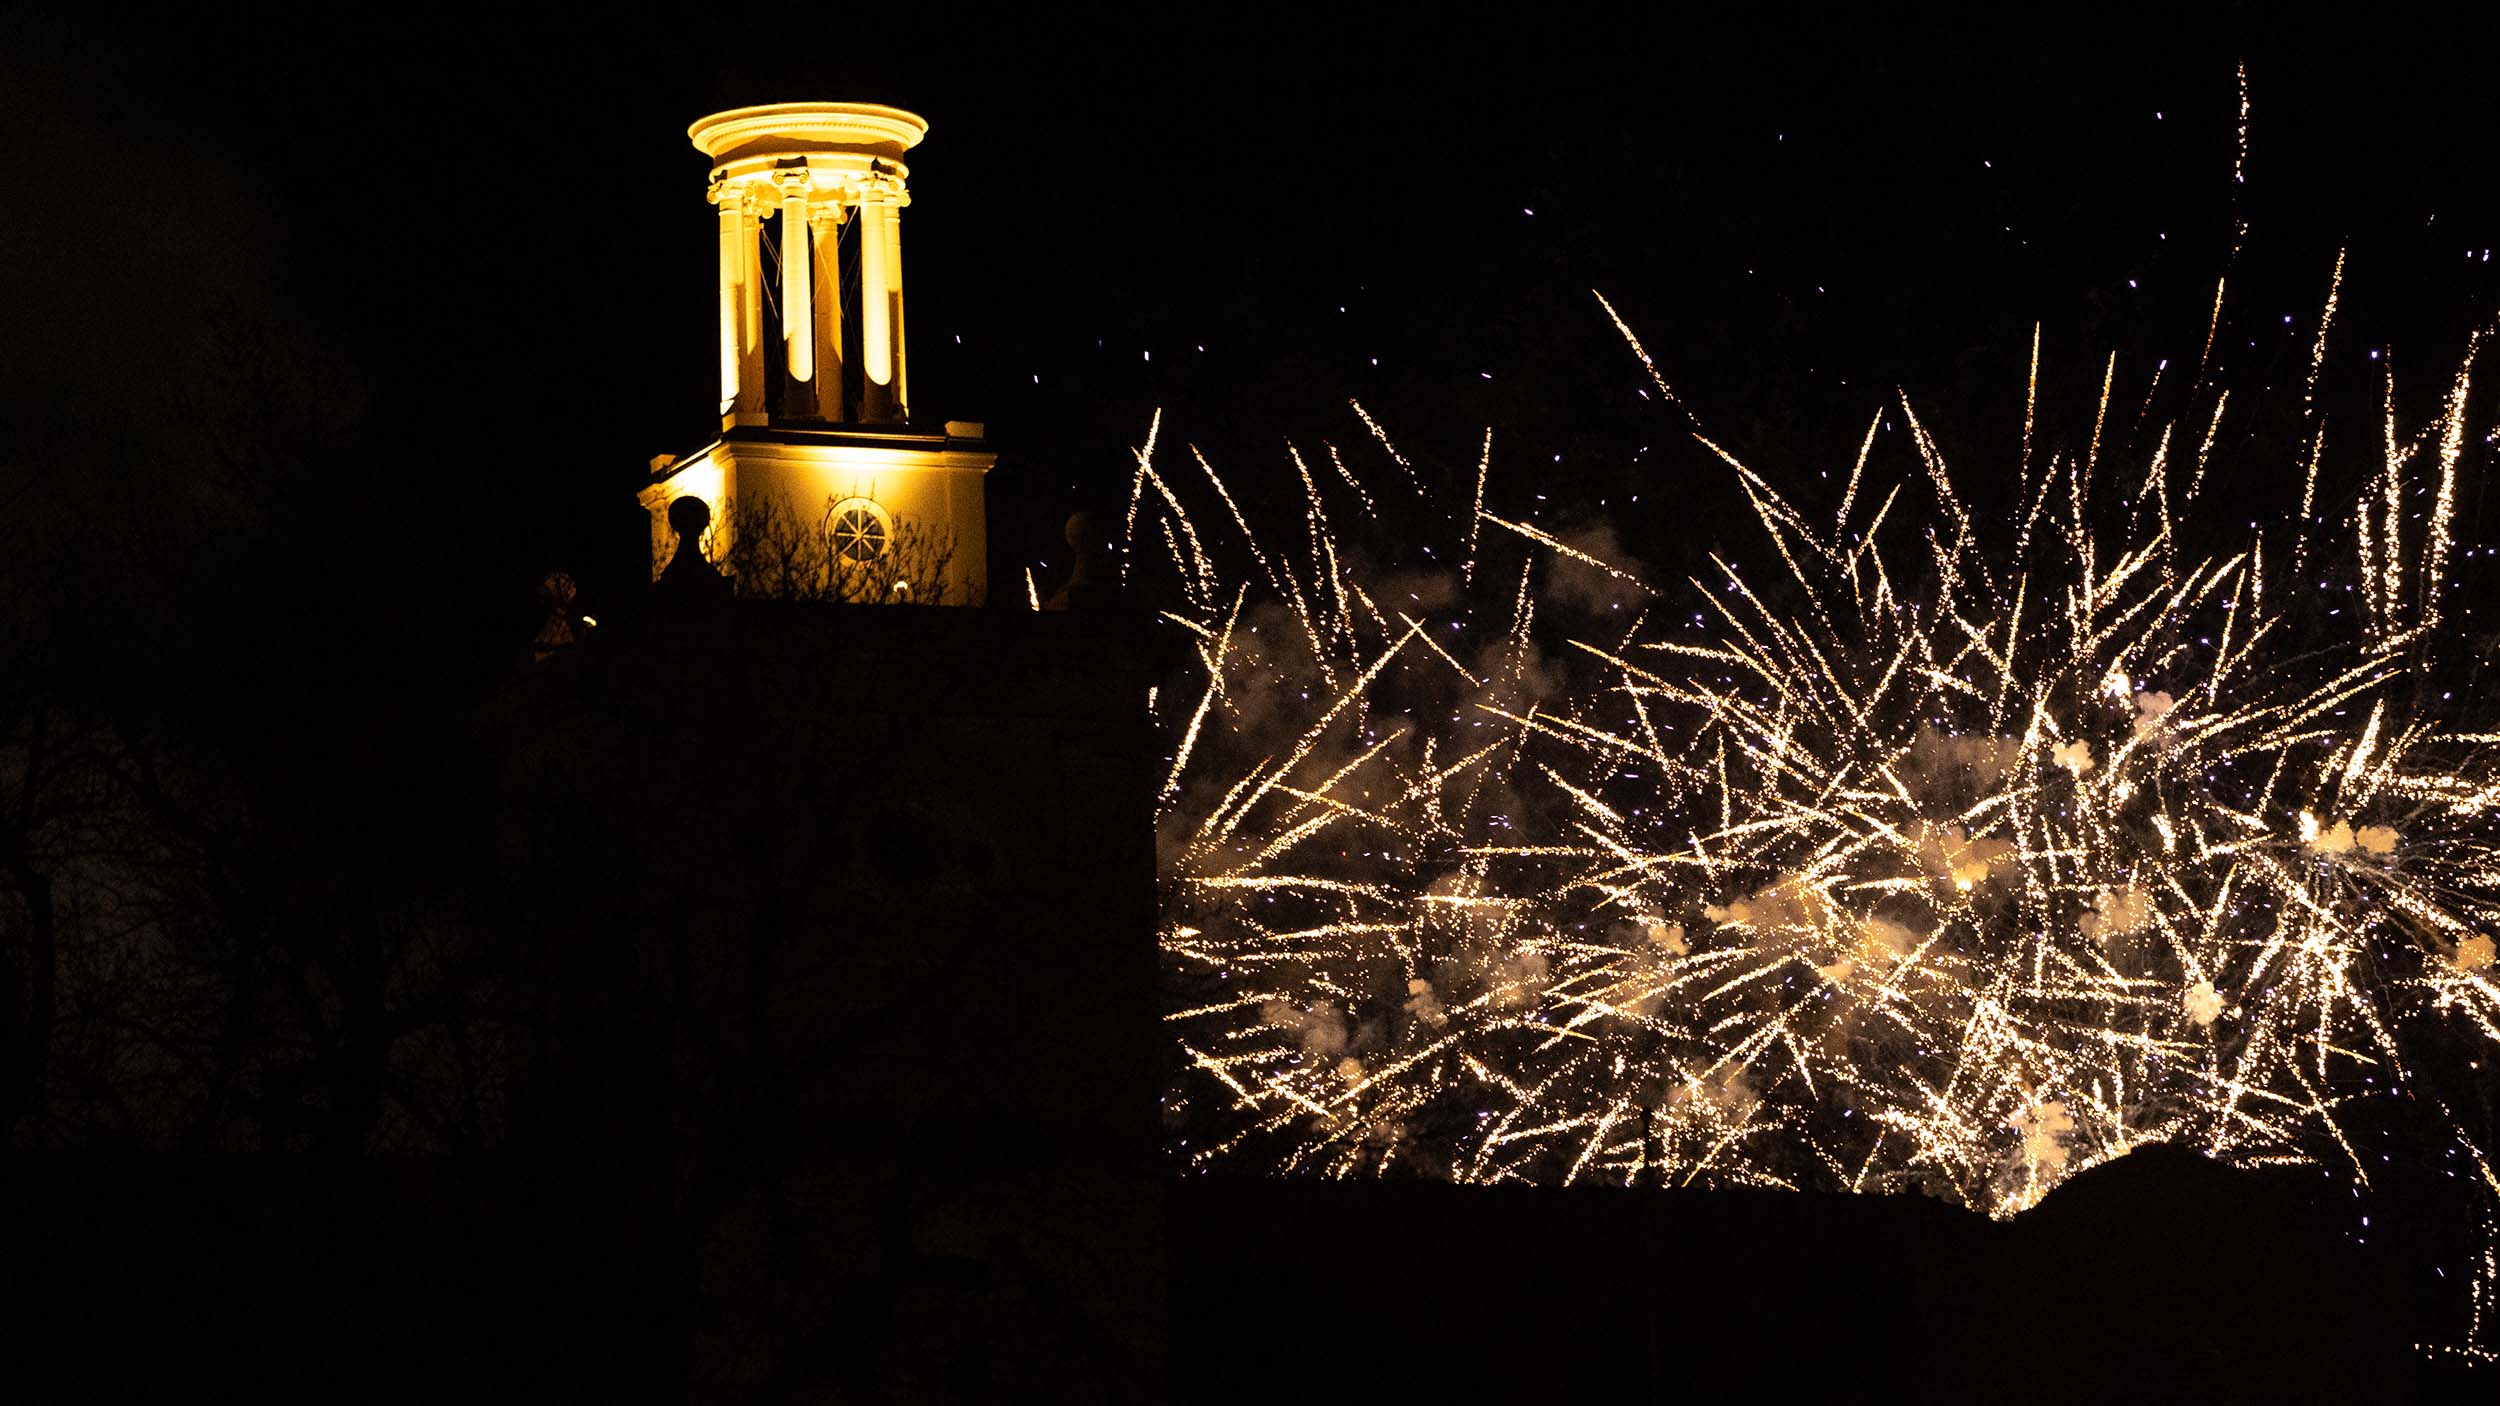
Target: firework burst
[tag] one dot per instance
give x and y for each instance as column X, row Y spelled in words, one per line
column 1938, row 850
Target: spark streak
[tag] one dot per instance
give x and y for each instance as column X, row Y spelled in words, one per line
column 2086, row 843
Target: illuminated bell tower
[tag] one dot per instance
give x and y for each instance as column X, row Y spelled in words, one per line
column 817, row 439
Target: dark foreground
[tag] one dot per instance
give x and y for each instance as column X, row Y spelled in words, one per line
column 2158, row 1278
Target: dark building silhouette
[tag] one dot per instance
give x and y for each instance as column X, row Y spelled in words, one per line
column 845, row 920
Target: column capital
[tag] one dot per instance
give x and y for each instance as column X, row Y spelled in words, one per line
column 880, row 186
column 738, row 195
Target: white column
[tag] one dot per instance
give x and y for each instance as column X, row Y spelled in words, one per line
column 731, row 266
column 798, row 307
column 876, row 279
column 827, row 223
column 894, row 285
column 750, row 311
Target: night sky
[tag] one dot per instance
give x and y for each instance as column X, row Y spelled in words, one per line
column 487, row 242
column 333, row 339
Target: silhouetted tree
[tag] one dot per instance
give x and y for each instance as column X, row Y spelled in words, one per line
column 846, row 555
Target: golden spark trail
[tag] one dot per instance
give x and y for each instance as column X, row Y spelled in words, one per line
column 1957, row 852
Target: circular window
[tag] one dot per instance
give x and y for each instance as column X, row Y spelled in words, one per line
column 859, row 530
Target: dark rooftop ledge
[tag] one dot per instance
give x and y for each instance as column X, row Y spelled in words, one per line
column 797, row 657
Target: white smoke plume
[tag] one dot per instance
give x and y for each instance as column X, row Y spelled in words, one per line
column 1319, row 1028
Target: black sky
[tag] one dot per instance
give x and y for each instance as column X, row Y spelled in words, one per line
column 476, row 250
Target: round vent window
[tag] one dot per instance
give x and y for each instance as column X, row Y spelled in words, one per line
column 859, row 530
